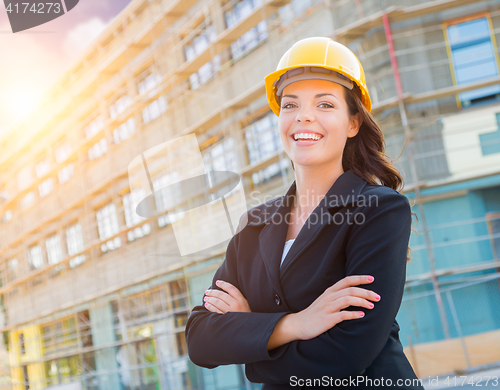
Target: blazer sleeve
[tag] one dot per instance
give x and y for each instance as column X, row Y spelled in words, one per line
column 215, row 339
column 377, row 246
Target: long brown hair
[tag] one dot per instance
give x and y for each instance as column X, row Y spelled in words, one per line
column 364, row 153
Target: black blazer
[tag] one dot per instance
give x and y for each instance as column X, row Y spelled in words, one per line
column 358, row 228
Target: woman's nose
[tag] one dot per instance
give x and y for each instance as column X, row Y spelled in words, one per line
column 304, row 116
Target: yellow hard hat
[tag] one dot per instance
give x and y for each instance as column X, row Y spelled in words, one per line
column 318, row 58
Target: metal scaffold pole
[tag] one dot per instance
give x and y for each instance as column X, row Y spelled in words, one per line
column 416, row 186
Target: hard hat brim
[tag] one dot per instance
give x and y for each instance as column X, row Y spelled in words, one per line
column 273, row 77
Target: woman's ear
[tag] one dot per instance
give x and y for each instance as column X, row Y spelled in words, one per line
column 355, row 123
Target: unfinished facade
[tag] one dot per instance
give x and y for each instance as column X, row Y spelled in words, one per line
column 95, row 296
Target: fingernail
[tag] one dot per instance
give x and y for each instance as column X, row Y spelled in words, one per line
column 369, row 278
column 361, row 314
column 370, row 304
column 377, row 297
column 217, row 282
column 205, row 298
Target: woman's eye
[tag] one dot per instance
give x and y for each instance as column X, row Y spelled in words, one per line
column 326, row 105
column 288, row 105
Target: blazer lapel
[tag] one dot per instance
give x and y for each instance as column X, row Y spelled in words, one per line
column 344, row 192
column 272, row 237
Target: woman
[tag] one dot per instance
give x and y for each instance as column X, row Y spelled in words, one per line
column 304, row 321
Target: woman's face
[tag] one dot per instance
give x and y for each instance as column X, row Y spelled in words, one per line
column 315, row 107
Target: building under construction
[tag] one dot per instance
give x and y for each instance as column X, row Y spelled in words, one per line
column 95, row 296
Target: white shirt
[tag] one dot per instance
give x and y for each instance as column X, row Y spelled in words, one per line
column 288, row 245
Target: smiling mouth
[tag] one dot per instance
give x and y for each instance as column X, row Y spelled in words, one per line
column 306, row 138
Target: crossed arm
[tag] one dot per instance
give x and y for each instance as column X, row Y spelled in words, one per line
column 234, row 337
column 377, row 247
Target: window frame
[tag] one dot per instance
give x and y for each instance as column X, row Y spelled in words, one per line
column 31, row 259
column 107, row 220
column 489, row 217
column 461, row 20
column 54, row 249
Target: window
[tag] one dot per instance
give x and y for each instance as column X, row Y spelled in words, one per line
column 22, row 344
column 120, row 106
column 51, row 373
column 136, row 307
column 164, row 220
column 262, row 138
column 35, row 259
column 130, row 202
column 107, row 224
column 12, row 270
column 490, row 142
column 98, row 149
column 47, row 343
column 149, row 83
column 28, row 199
column 74, row 242
column 271, row 172
column 473, row 59
column 263, row 141
column 63, row 152
column 74, row 239
column 46, row 187
column 205, row 73
column 124, row 131
column 94, row 127
column 163, row 199
column 295, row 9
column 493, row 222
column 206, row 34
column 200, row 42
column 58, row 335
column 42, row 168
column 86, row 334
column 57, row 332
column 180, row 338
column 154, row 110
column 240, row 10
column 7, row 216
column 189, row 52
column 249, row 40
column 54, row 251
column 221, row 156
column 78, row 260
column 66, row 173
column 158, row 300
column 69, row 331
column 107, row 221
column 178, row 294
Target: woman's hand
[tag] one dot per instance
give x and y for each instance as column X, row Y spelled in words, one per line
column 231, row 299
column 326, row 311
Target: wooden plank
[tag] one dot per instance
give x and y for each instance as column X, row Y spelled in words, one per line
column 178, row 8
column 447, row 356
